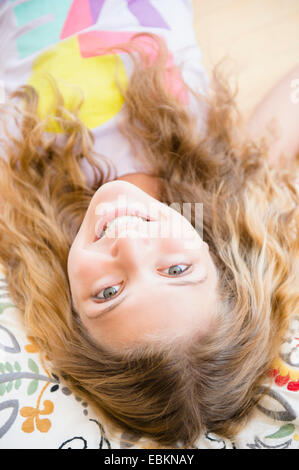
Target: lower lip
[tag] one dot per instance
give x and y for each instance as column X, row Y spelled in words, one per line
column 113, row 214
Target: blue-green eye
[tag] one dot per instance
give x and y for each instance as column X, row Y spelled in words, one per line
column 108, row 292
column 176, row 269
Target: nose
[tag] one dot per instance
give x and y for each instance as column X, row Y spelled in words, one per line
column 132, row 250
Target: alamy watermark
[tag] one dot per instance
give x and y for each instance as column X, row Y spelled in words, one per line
column 124, row 218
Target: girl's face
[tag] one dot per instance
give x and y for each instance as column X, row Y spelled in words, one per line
column 138, row 269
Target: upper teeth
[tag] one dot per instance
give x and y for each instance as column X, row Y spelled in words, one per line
column 120, row 221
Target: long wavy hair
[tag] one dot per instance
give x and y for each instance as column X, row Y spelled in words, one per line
column 250, row 221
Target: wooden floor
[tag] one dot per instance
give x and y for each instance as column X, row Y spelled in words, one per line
column 260, row 36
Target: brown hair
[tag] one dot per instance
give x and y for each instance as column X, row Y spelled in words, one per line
column 250, row 222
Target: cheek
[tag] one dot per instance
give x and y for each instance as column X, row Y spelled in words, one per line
column 74, row 261
column 81, row 269
column 79, row 276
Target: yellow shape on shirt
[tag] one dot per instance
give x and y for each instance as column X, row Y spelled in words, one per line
column 92, row 79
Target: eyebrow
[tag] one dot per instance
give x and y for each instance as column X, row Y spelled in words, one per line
column 192, row 282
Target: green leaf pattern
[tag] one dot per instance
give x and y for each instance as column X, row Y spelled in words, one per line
column 12, row 376
column 33, row 366
column 283, row 431
column 4, row 306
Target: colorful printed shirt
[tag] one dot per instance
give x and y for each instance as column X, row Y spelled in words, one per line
column 65, row 38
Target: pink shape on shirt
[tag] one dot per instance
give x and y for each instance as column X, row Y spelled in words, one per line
column 79, row 17
column 95, row 43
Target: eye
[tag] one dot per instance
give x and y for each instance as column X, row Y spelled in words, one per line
column 108, row 292
column 176, row 269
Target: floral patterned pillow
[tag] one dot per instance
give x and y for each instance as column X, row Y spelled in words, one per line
column 37, row 411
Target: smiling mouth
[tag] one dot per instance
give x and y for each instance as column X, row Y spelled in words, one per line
column 117, row 219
